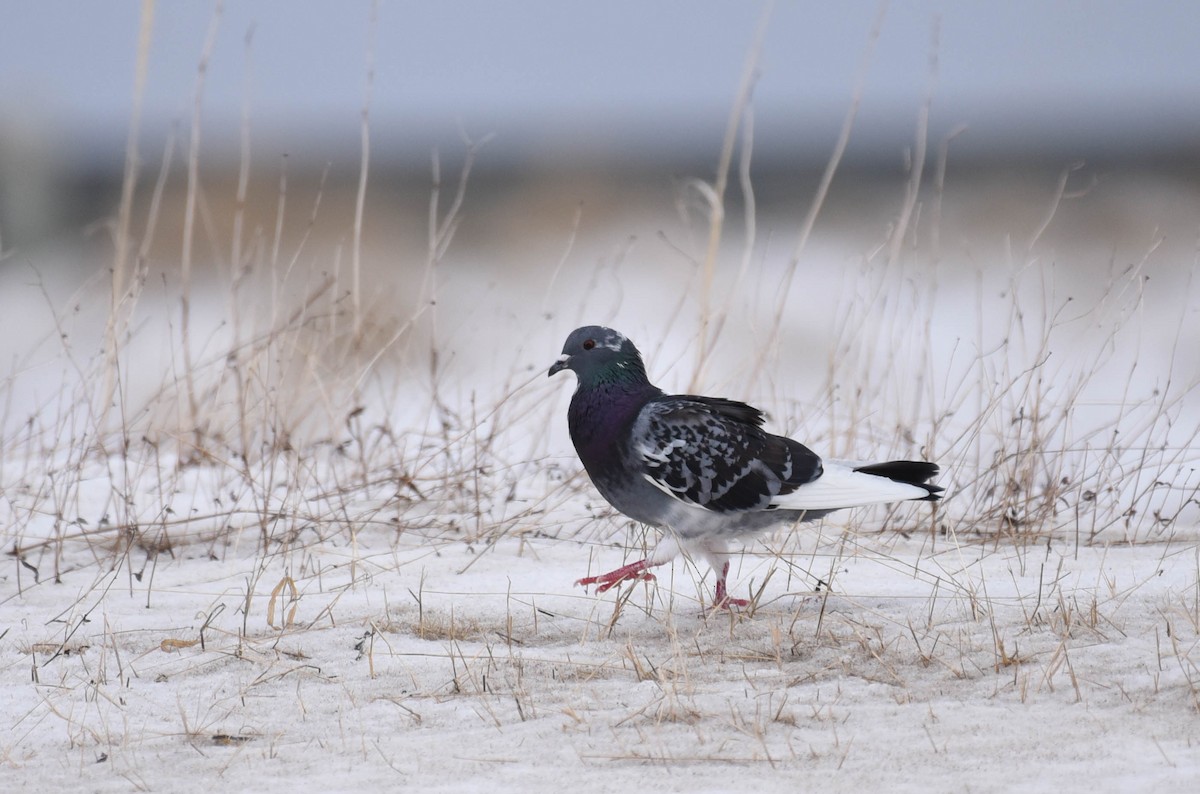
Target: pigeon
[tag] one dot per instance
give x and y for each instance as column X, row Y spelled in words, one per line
column 702, row 469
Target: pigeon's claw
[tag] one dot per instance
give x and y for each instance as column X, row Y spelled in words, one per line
column 723, row 601
column 635, row 571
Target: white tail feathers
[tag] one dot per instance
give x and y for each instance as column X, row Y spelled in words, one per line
column 841, row 486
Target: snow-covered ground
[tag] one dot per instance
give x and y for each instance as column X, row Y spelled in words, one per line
column 347, row 560
column 429, row 664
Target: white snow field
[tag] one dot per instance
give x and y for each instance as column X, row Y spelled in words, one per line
column 329, row 541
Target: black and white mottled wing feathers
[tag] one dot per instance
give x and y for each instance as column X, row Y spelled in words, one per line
column 714, row 453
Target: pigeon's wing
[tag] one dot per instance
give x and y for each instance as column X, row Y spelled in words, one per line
column 714, row 453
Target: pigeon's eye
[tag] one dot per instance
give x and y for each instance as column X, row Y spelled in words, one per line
column 589, row 344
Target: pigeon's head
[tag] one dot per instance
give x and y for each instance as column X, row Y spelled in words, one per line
column 598, row 354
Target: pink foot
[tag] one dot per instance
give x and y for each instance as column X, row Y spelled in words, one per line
column 635, row 571
column 723, row 601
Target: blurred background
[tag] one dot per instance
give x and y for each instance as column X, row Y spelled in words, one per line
column 590, row 124
column 608, row 92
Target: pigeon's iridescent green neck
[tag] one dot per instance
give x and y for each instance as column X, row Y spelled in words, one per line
column 621, row 371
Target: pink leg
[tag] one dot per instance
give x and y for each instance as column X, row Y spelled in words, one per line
column 632, row 572
column 723, row 600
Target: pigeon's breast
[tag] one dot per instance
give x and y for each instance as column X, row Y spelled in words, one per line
column 600, row 420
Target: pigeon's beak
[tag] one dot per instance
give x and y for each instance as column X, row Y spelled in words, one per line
column 564, row 361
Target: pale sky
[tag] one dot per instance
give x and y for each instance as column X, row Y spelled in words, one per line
column 550, row 75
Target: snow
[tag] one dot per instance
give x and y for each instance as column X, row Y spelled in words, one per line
column 1038, row 630
column 417, row 659
column 426, row 659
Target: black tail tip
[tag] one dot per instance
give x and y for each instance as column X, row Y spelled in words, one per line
column 911, row 472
